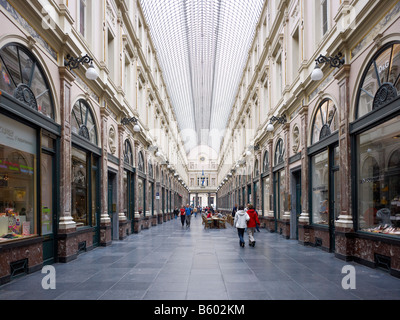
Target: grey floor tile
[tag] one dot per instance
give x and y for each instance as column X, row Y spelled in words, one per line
column 168, row 262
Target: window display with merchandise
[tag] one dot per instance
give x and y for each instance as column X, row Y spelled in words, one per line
column 17, row 180
column 378, row 145
column 379, row 179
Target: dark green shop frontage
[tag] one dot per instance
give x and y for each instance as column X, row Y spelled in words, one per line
column 29, row 162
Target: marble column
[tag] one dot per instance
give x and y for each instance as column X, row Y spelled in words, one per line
column 66, row 223
column 122, row 188
column 105, row 221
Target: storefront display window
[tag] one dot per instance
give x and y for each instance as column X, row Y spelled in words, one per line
column 378, row 180
column 140, row 195
column 79, row 187
column 320, row 188
column 267, row 196
column 18, row 176
column 150, row 197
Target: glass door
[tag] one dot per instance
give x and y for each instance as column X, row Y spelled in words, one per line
column 48, row 216
column 334, row 194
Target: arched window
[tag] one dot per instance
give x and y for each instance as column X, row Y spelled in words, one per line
column 325, row 121
column 22, row 77
column 279, row 152
column 150, row 169
column 256, row 170
column 83, row 123
column 128, row 155
column 381, row 80
column 141, row 162
column 266, row 162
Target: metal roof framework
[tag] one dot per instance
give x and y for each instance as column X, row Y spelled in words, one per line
column 202, row 47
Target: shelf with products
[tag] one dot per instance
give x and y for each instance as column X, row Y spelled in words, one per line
column 14, row 226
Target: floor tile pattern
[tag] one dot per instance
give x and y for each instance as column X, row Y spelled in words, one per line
column 171, row 262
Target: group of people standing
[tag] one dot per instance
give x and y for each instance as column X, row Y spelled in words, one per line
column 246, row 218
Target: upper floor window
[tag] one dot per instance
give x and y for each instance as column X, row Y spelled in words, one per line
column 324, row 16
column 22, row 77
column 83, row 123
column 381, row 80
column 279, row 152
column 325, row 121
column 141, row 162
column 266, row 162
column 128, row 155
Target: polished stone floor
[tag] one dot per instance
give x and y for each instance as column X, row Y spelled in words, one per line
column 169, row 262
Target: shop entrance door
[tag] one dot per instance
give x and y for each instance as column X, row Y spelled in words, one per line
column 296, row 205
column 112, row 210
column 334, row 194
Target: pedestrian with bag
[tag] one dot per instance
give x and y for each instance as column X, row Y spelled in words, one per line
column 252, row 224
column 183, row 215
column 240, row 222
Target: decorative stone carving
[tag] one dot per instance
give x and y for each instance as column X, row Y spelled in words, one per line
column 111, row 140
column 296, row 139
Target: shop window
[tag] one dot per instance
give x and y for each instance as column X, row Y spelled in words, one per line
column 378, row 179
column 22, row 77
column 267, row 196
column 325, row 121
column 18, row 180
column 320, row 188
column 141, row 191
column 83, row 123
column 381, row 80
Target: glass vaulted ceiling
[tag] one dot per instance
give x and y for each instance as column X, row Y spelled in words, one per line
column 202, row 47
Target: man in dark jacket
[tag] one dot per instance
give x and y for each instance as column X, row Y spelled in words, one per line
column 234, row 210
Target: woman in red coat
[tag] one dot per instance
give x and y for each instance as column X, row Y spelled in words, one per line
column 251, row 224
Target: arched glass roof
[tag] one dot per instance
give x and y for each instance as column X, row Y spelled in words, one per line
column 202, row 47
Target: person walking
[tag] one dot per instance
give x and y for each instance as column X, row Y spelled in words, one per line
column 240, row 222
column 188, row 212
column 235, row 208
column 183, row 215
column 176, row 212
column 251, row 224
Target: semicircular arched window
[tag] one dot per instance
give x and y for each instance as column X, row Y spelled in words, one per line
column 83, row 123
column 22, row 76
column 279, row 152
column 380, row 83
column 128, row 155
column 266, row 162
column 325, row 121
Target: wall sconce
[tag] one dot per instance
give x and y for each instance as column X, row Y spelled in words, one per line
column 281, row 120
column 334, row 62
column 126, row 121
column 74, row 63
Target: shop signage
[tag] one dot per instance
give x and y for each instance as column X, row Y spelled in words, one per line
column 17, row 135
